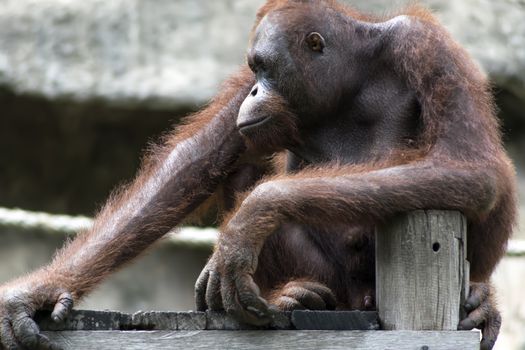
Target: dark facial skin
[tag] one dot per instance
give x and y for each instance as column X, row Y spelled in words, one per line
column 335, row 117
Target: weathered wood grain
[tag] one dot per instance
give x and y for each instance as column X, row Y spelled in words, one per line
column 420, row 264
column 88, row 320
column 335, row 320
column 358, row 340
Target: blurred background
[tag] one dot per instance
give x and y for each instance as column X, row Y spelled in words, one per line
column 85, row 85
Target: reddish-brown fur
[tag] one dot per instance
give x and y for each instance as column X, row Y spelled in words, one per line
column 455, row 161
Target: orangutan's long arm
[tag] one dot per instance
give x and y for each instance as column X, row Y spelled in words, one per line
column 171, row 184
column 339, row 196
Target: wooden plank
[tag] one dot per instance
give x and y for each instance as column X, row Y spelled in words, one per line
column 304, row 340
column 335, row 320
column 420, row 262
column 88, row 320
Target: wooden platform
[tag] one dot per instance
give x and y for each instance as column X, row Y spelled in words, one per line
column 421, row 281
column 362, row 340
column 214, row 330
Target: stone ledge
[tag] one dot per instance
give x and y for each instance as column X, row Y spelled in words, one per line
column 164, row 54
column 191, row 237
column 53, row 224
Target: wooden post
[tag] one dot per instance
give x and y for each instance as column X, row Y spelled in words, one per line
column 421, row 270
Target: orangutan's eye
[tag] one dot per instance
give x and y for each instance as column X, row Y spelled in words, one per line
column 315, row 42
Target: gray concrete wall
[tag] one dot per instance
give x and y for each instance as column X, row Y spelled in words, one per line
column 168, row 53
column 162, row 279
